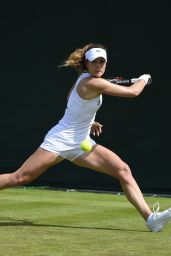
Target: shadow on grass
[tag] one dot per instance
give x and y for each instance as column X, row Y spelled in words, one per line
column 14, row 222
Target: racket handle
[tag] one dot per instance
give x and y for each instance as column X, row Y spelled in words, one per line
column 122, row 81
column 134, row 80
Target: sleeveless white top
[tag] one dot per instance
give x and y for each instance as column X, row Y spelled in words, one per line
column 76, row 123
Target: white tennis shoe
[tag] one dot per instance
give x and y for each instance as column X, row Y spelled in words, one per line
column 157, row 220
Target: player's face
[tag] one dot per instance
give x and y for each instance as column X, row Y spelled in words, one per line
column 97, row 67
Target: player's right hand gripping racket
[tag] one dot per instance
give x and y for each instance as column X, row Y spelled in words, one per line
column 122, row 81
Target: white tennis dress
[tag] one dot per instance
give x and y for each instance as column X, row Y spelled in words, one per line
column 65, row 137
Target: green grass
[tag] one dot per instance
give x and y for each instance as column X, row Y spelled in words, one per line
column 36, row 222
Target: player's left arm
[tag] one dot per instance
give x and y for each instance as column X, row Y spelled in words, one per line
column 96, row 129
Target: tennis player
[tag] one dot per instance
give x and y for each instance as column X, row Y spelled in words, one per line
column 63, row 140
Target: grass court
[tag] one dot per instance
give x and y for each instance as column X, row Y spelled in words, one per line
column 36, row 222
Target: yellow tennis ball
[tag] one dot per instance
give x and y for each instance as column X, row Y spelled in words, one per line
column 86, row 145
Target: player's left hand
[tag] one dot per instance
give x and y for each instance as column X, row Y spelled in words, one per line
column 96, row 128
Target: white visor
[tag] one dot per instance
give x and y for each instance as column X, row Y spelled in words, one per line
column 95, row 53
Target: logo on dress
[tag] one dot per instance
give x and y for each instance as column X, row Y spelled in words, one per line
column 99, row 102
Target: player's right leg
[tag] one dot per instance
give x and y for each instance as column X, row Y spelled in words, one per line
column 32, row 168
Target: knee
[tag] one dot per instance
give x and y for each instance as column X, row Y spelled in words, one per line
column 124, row 172
column 19, row 180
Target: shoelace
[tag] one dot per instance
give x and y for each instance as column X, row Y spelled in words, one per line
column 156, row 207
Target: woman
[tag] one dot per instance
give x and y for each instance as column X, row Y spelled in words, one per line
column 63, row 140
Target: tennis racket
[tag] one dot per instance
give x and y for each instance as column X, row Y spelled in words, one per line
column 122, row 81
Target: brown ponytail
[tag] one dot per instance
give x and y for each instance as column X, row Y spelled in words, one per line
column 76, row 59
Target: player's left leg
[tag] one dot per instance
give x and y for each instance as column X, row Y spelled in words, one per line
column 105, row 161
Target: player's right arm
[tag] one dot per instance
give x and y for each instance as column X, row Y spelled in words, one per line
column 105, row 87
